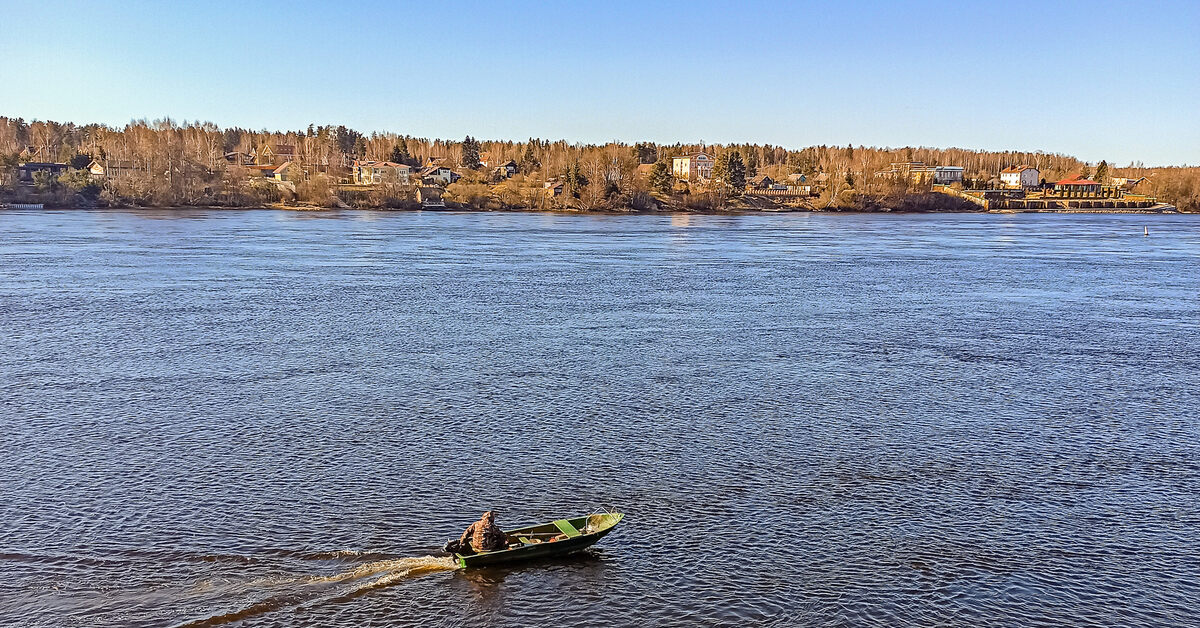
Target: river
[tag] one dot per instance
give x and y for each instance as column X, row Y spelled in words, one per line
column 271, row 418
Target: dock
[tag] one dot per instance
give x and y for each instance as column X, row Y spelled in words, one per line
column 1011, row 201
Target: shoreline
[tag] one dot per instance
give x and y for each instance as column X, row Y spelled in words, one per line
column 736, row 211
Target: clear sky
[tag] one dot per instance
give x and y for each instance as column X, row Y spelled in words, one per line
column 1100, row 80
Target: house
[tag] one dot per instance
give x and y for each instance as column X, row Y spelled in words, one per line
column 110, row 169
column 507, row 169
column 26, row 170
column 1018, row 177
column 802, row 189
column 259, row 171
column 920, row 173
column 1126, row 182
column 375, row 172
column 555, row 188
column 1077, row 184
column 239, row 158
column 285, row 152
column 945, row 175
column 796, row 178
column 276, row 154
column 439, row 174
column 694, row 166
column 763, row 183
column 288, row 171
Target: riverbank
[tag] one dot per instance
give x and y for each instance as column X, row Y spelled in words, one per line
column 731, row 210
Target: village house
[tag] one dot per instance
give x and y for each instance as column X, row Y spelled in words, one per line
column 26, row 170
column 1127, row 182
column 1076, row 185
column 258, row 171
column 555, row 188
column 439, row 174
column 288, row 171
column 1018, row 177
column 506, row 169
column 920, row 173
column 803, row 189
column 110, row 169
column 697, row 166
column 762, row 183
column 375, row 172
column 239, row 158
column 275, row 154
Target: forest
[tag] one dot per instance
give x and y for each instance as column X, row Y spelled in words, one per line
column 168, row 163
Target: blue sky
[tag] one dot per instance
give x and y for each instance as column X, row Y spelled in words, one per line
column 1101, row 80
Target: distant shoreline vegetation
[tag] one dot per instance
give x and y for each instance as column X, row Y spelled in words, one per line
column 168, row 164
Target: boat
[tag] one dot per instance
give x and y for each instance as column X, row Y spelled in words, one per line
column 557, row 538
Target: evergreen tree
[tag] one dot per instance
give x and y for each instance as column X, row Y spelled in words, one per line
column 737, row 173
column 400, row 154
column 661, row 178
column 1102, row 173
column 529, row 161
column 470, row 153
column 751, row 164
column 720, row 171
column 575, row 181
column 646, row 153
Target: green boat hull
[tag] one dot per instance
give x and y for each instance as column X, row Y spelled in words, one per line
column 537, row 541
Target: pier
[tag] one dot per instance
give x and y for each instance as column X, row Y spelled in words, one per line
column 1057, row 201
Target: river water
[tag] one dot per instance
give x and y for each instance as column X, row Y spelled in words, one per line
column 268, row 418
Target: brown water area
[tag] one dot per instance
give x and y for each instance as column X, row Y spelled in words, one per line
column 264, row 418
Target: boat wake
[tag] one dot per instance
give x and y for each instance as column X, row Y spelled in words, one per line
column 313, row 590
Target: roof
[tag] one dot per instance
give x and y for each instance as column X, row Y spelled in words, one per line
column 371, row 163
column 693, row 156
column 282, row 169
column 1076, row 180
column 434, row 168
column 284, row 148
column 113, row 163
column 1017, row 169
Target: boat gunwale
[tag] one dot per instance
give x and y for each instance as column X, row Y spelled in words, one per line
column 567, row 545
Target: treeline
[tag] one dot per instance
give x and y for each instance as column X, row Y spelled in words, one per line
column 171, row 163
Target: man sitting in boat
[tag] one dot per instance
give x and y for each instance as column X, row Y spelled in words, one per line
column 484, row 535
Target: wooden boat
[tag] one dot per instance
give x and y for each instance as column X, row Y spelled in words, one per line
column 556, row 538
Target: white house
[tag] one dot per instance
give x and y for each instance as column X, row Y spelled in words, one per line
column 439, row 173
column 694, row 166
column 945, row 175
column 1017, row 177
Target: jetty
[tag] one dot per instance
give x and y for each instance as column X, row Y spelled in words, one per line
column 1059, row 201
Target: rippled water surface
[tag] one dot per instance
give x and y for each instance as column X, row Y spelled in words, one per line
column 268, row 418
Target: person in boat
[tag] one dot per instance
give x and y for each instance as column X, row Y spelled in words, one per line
column 484, row 535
